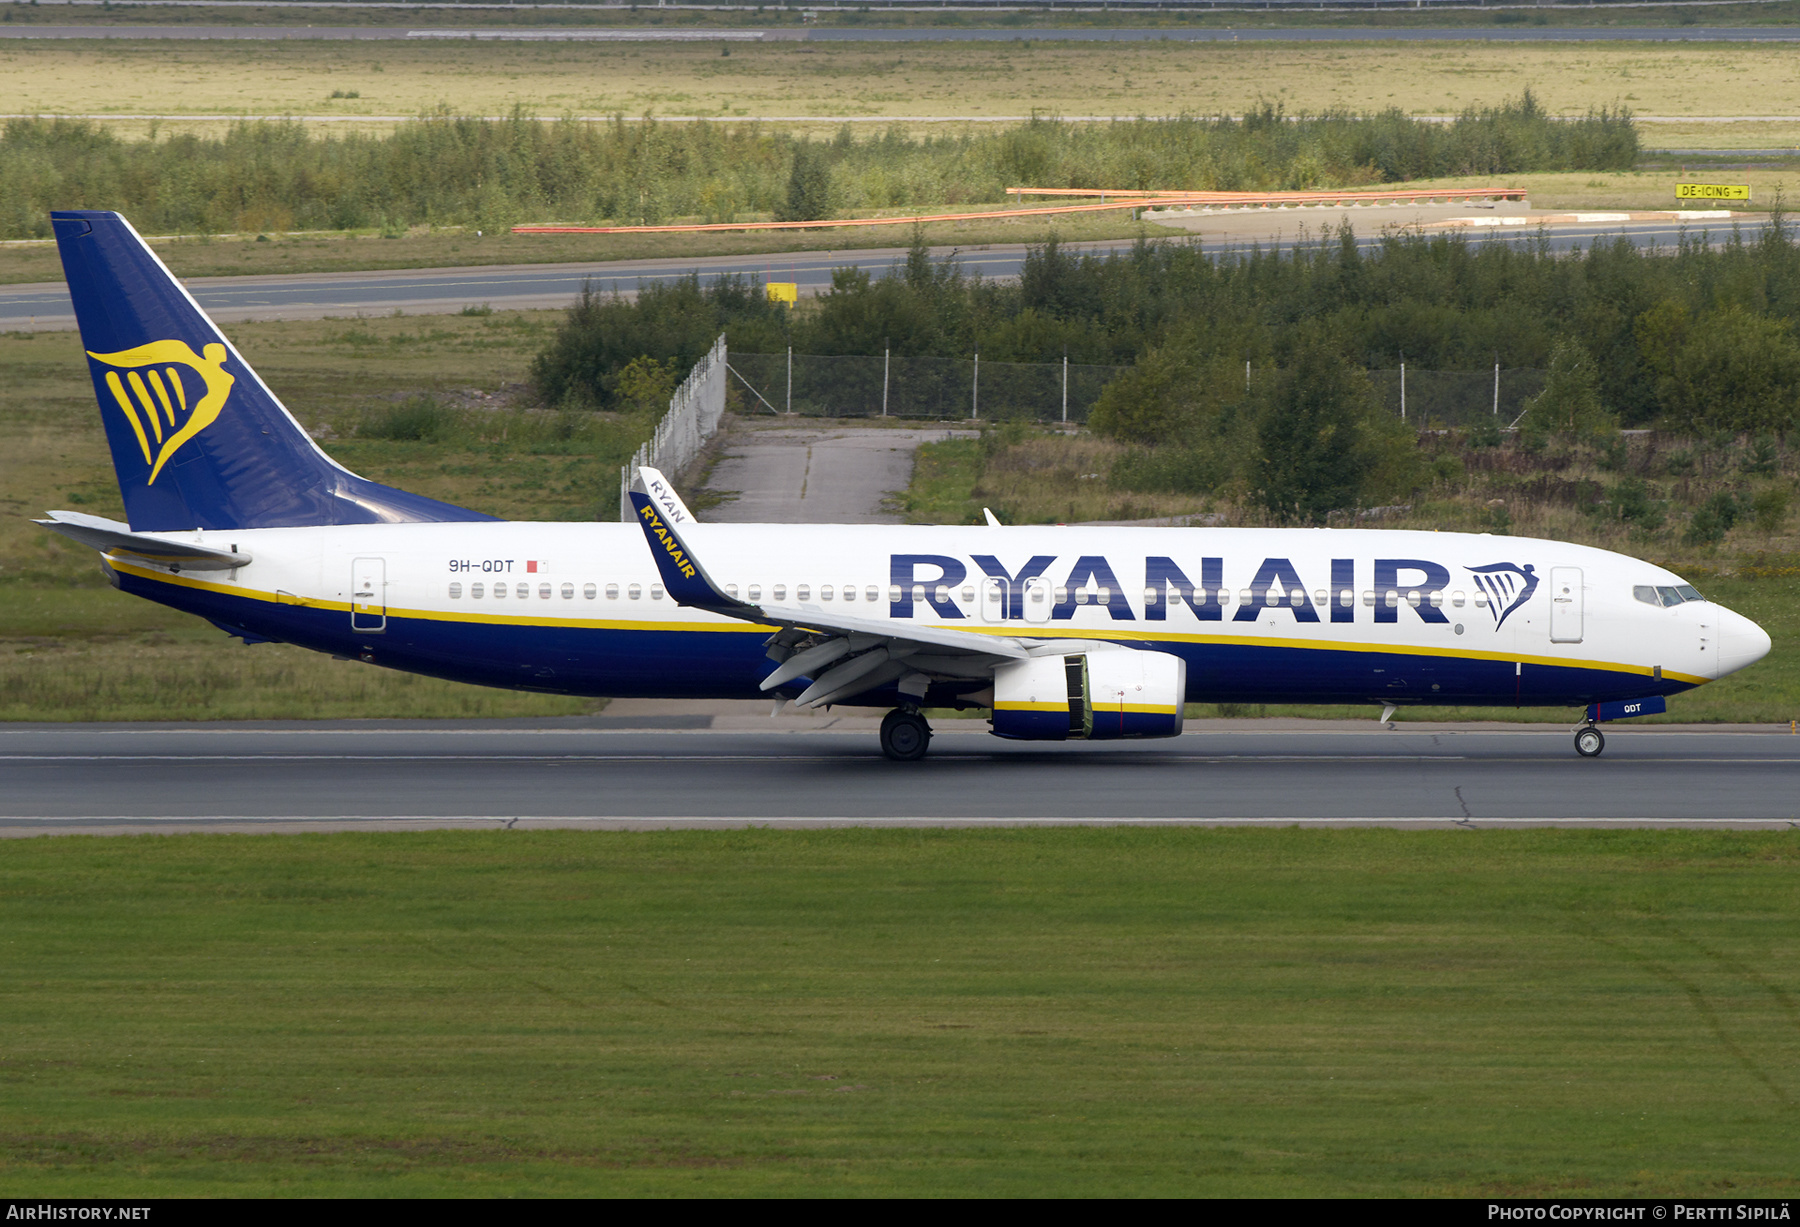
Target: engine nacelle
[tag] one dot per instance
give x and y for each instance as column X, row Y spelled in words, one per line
column 1098, row 696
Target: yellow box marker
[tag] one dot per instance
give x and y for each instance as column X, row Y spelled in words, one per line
column 1712, row 191
column 784, row 291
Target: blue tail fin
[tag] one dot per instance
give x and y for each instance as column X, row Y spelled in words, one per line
column 197, row 440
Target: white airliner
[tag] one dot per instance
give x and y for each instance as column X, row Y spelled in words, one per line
column 1064, row 633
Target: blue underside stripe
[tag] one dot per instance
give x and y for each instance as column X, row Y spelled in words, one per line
column 622, row 662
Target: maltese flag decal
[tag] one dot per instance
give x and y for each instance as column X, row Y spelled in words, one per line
column 537, row 565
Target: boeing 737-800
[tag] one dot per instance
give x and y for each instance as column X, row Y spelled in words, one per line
column 235, row 515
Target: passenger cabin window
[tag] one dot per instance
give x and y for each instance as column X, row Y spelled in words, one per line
column 456, row 592
column 656, row 592
column 543, row 592
column 874, row 593
column 499, row 592
column 635, row 591
column 731, row 591
column 524, row 592
column 825, row 592
column 802, row 592
column 778, row 592
column 849, row 592
column 756, row 592
column 589, row 592
column 477, row 591
column 568, row 592
column 612, row 592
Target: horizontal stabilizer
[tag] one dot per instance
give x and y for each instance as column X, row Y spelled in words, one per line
column 112, row 537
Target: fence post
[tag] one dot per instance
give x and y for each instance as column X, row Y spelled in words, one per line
column 975, row 391
column 1403, row 391
column 1496, row 389
column 790, row 392
column 887, row 353
column 1246, row 374
column 1065, row 416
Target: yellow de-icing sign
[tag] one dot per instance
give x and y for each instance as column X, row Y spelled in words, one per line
column 784, row 291
column 1712, row 191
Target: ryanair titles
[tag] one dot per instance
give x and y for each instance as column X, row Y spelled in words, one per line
column 670, row 543
column 1277, row 587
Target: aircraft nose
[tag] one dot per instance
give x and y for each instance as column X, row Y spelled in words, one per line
column 1741, row 642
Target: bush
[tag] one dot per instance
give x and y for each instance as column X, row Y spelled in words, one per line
column 449, row 169
column 419, row 419
column 673, row 324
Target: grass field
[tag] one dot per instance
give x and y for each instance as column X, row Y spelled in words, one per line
column 864, row 80
column 224, row 256
column 1039, row 1013
column 298, row 13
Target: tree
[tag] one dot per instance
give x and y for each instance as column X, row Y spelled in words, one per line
column 1733, row 371
column 809, row 187
column 1569, row 406
column 1325, row 444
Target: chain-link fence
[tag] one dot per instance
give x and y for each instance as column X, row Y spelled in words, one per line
column 856, row 386
column 693, row 416
column 1460, row 399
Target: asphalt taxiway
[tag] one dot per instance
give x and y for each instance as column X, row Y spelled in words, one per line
column 41, row 306
column 680, row 771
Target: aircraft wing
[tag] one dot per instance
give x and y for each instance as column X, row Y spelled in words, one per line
column 112, row 537
column 845, row 655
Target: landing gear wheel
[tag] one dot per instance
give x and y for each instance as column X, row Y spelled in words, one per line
column 905, row 736
column 1589, row 742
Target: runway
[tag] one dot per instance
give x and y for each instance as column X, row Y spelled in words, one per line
column 596, row 774
column 42, row 306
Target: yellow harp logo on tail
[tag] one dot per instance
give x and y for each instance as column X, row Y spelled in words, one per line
column 154, row 397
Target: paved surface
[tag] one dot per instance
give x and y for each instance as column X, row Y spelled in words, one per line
column 1486, row 34
column 379, row 774
column 45, row 305
column 817, row 473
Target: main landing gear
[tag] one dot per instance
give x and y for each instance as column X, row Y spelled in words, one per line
column 1589, row 741
column 904, row 735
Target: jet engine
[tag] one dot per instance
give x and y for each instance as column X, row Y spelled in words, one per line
column 1095, row 696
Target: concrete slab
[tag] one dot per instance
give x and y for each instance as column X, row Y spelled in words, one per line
column 816, row 472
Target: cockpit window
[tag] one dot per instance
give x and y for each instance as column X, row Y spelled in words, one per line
column 1667, row 597
column 1689, row 593
column 1646, row 594
column 1670, row 596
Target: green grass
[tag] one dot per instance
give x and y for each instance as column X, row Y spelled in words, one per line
column 1045, row 1013
column 457, row 247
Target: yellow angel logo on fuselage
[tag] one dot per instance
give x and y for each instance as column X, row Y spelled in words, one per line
column 157, row 398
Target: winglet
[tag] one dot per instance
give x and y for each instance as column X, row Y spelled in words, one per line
column 663, row 495
column 659, row 510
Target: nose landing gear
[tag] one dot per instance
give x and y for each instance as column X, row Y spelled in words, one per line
column 1589, row 741
column 904, row 735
